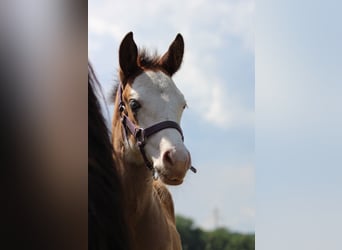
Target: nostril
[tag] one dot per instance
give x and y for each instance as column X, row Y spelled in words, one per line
column 168, row 157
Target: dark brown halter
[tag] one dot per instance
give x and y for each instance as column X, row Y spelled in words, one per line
column 142, row 134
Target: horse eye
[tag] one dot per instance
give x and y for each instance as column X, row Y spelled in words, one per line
column 134, row 104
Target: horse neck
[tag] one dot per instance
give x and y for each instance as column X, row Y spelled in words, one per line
column 148, row 204
column 136, row 178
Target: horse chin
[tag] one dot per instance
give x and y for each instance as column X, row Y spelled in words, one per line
column 170, row 181
column 170, row 174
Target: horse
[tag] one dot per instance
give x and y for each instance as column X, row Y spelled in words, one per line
column 148, row 141
column 106, row 218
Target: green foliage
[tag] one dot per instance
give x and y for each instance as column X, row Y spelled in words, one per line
column 194, row 238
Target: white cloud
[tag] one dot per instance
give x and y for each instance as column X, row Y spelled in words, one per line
column 209, row 96
column 248, row 212
column 100, row 26
column 197, row 18
column 94, row 46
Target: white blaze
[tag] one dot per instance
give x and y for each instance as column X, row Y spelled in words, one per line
column 160, row 100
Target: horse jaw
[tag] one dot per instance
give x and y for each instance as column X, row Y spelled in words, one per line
column 161, row 100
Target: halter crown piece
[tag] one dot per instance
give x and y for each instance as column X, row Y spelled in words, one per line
column 142, row 134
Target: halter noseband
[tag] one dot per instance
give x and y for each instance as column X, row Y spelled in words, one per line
column 142, row 134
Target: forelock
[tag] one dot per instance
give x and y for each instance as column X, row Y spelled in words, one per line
column 147, row 60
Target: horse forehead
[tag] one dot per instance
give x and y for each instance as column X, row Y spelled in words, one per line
column 156, row 82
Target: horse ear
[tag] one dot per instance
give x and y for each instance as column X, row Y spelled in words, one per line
column 128, row 53
column 172, row 59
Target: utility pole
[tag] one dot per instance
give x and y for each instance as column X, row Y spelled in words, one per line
column 216, row 215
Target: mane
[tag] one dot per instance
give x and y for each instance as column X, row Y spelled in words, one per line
column 106, row 221
column 114, row 91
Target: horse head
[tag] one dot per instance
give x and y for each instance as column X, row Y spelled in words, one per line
column 148, row 99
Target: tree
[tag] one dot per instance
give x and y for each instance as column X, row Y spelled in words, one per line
column 194, row 238
column 218, row 239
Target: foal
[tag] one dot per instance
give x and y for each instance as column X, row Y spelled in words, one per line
column 147, row 96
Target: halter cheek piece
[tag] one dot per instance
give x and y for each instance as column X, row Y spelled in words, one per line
column 141, row 134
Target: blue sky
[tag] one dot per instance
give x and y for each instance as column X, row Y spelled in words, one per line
column 217, row 79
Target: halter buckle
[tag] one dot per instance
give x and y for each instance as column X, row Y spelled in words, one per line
column 121, row 107
column 139, row 135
